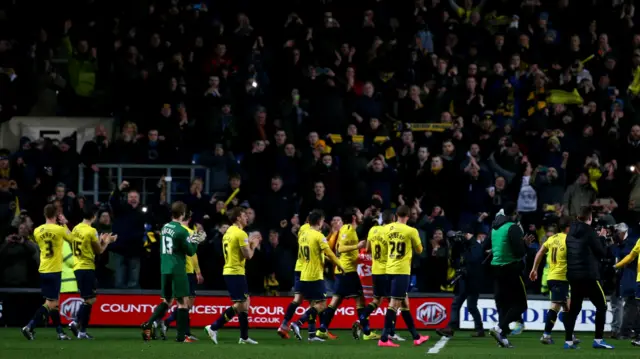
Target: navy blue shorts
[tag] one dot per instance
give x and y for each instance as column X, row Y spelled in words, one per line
column 399, row 284
column 86, row 279
column 558, row 290
column 380, row 285
column 237, row 287
column 296, row 282
column 638, row 290
column 313, row 291
column 50, row 285
column 348, row 285
column 193, row 282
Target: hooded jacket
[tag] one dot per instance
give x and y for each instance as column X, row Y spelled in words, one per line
column 512, row 247
column 584, row 250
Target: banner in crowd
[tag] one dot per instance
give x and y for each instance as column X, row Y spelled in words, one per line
column 265, row 312
column 533, row 317
column 55, row 128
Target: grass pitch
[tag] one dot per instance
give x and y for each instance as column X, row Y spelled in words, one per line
column 115, row 343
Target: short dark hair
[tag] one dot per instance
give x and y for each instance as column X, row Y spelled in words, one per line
column 387, row 216
column 50, row 211
column 403, row 211
column 234, row 176
column 563, row 223
column 235, row 213
column 348, row 213
column 585, row 213
column 89, row 212
column 315, row 217
column 510, row 209
column 178, row 209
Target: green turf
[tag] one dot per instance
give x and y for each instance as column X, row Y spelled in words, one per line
column 116, row 343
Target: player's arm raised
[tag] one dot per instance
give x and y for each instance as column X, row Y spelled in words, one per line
column 252, row 242
column 536, row 262
column 102, row 242
column 66, row 233
column 630, row 257
column 191, row 244
column 342, row 247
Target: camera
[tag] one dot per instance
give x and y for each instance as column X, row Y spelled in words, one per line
column 599, row 225
column 455, row 236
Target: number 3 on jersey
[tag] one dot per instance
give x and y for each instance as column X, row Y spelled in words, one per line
column 167, row 245
column 48, row 249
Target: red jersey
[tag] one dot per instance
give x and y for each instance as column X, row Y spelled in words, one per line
column 364, row 272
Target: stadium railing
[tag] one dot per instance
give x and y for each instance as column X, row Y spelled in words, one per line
column 146, row 176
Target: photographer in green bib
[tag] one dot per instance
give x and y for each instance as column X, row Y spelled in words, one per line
column 508, row 246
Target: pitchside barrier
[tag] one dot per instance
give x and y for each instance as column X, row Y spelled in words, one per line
column 129, row 308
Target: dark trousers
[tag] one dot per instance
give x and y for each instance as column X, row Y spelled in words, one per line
column 631, row 316
column 581, row 289
column 471, row 297
column 510, row 294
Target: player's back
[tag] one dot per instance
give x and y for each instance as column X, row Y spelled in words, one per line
column 300, row 260
column 232, row 242
column 557, row 256
column 173, row 251
column 312, row 245
column 348, row 236
column 401, row 240
column 50, row 239
column 83, row 238
column 379, row 248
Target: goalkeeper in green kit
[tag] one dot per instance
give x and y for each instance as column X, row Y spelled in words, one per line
column 175, row 245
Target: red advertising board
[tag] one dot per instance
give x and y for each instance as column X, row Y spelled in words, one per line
column 265, row 312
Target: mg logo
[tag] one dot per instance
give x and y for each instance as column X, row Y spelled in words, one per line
column 431, row 313
column 69, row 308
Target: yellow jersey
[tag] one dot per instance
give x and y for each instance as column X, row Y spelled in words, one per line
column 348, row 237
column 232, row 243
column 84, row 236
column 630, row 258
column 556, row 246
column 189, row 263
column 50, row 239
column 301, row 258
column 379, row 249
column 402, row 241
column 312, row 246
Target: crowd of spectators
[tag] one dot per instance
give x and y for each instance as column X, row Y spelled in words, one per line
column 306, row 104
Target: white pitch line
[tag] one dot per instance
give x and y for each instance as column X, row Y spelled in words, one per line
column 438, row 346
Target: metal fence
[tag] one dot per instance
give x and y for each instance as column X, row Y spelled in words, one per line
column 98, row 185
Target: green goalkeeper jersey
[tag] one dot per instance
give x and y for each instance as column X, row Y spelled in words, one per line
column 174, row 248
